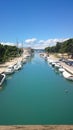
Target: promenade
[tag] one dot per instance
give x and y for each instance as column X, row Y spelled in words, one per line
column 37, row 127
column 67, row 67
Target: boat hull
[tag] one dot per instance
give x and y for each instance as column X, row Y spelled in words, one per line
column 2, row 79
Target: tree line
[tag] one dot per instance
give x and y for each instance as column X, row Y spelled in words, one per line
column 7, row 52
column 61, row 47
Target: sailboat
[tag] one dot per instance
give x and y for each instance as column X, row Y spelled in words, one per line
column 18, row 65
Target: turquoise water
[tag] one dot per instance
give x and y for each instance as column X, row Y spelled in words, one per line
column 36, row 95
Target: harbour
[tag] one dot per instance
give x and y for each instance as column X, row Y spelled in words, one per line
column 36, row 94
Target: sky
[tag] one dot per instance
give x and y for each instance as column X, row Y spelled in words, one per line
column 36, row 23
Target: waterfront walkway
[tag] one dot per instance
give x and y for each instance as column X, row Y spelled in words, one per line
column 67, row 67
column 37, row 127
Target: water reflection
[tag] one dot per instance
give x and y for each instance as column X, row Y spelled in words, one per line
column 3, row 86
column 10, row 76
column 30, row 58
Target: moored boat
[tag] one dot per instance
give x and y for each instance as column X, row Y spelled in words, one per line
column 61, row 69
column 24, row 60
column 57, row 65
column 18, row 65
column 68, row 75
column 2, row 78
column 53, row 63
column 10, row 70
column 50, row 61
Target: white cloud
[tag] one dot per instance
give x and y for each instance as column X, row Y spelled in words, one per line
column 8, row 43
column 41, row 41
column 37, row 44
column 30, row 41
column 50, row 42
column 12, row 44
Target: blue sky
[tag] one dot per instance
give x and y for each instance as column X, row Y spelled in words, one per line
column 37, row 23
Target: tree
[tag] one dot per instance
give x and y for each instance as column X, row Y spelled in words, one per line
column 8, row 51
column 62, row 47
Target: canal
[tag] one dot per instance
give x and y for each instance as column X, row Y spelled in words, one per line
column 36, row 94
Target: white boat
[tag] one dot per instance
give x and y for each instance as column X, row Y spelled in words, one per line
column 50, row 61
column 68, row 75
column 24, row 60
column 15, row 67
column 48, row 58
column 26, row 56
column 53, row 63
column 18, row 66
column 2, row 78
column 61, row 69
column 57, row 65
column 10, row 70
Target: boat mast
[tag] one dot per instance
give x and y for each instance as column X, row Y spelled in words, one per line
column 17, row 48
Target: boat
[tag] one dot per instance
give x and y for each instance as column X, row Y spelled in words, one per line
column 24, row 61
column 53, row 63
column 68, row 75
column 50, row 61
column 61, row 69
column 2, row 78
column 18, row 66
column 57, row 65
column 48, row 58
column 26, row 56
column 10, row 70
column 15, row 67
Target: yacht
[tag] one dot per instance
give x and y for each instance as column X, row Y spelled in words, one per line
column 54, row 63
column 61, row 69
column 18, row 66
column 24, row 61
column 10, row 70
column 68, row 75
column 57, row 65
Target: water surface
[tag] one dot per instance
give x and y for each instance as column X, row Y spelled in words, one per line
column 36, row 95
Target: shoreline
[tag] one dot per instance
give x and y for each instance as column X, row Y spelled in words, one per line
column 11, row 62
column 65, row 66
column 4, row 66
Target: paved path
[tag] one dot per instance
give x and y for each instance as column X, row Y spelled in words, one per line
column 67, row 67
column 38, row 127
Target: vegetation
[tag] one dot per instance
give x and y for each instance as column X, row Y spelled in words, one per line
column 62, row 47
column 7, row 52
